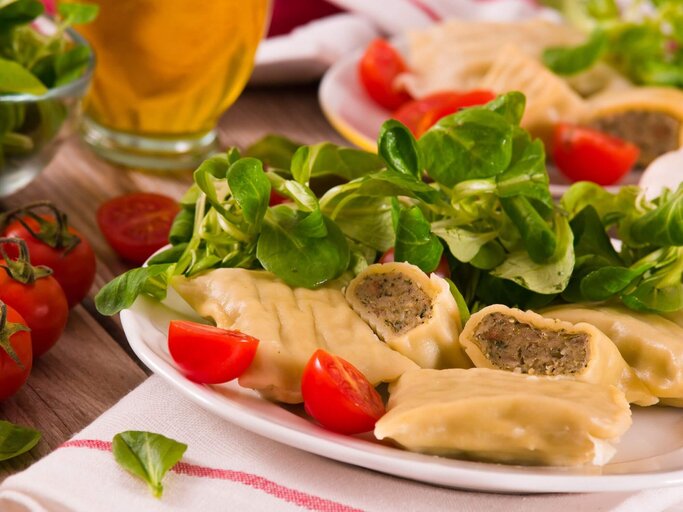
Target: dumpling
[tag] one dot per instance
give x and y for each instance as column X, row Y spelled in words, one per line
column 507, row 417
column 290, row 324
column 651, row 344
column 509, row 339
column 413, row 313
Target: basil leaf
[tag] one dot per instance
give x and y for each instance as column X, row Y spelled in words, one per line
column 572, row 60
column 14, row 78
column 415, row 242
column 463, row 242
column 182, row 227
column 538, row 237
column 147, row 455
column 509, row 105
column 15, row 439
column 365, row 219
column 19, row 12
column 463, row 310
column 274, row 151
column 399, row 149
column 121, row 292
column 527, row 176
column 662, row 226
column 71, row 64
column 391, row 184
column 492, row 290
column 473, row 143
column 296, row 259
column 328, row 159
column 78, row 13
column 251, row 189
column 170, row 255
column 545, row 278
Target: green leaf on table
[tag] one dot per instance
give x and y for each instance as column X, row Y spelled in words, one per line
column 251, row 189
column 78, row 13
column 473, row 143
column 566, row 60
column 121, row 292
column 415, row 243
column 274, row 151
column 398, row 147
column 147, row 455
column 15, row 78
column 299, row 260
column 15, row 439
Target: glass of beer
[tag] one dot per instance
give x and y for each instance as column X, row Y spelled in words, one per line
column 166, row 71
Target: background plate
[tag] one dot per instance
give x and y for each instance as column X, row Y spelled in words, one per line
column 358, row 118
column 649, row 455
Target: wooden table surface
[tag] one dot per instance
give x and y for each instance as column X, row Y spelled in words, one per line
column 92, row 366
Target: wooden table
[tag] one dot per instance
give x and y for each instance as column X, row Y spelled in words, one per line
column 92, row 366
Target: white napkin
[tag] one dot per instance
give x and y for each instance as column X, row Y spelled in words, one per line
column 228, row 468
column 305, row 53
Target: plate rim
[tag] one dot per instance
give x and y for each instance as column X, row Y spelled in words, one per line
column 461, row 474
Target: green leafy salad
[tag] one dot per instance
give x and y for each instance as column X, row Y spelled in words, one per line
column 32, row 62
column 473, row 189
column 643, row 40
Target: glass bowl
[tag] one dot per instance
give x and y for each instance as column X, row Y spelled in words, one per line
column 32, row 127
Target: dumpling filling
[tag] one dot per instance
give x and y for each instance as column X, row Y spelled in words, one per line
column 517, row 346
column 397, row 300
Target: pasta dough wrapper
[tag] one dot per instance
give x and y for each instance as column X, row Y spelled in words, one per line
column 507, row 417
column 651, row 344
column 290, row 324
column 413, row 313
column 504, row 338
column 649, row 117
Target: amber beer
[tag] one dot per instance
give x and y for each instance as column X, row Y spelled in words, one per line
column 167, row 69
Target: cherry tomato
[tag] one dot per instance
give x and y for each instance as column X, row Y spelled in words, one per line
column 582, row 153
column 338, row 396
column 12, row 375
column 277, row 198
column 420, row 115
column 442, row 269
column 137, row 225
column 210, row 355
column 378, row 69
column 41, row 303
column 73, row 268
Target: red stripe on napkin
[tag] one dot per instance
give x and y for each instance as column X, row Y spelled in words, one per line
column 299, row 498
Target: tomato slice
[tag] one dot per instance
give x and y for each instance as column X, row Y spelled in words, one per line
column 582, row 153
column 442, row 269
column 338, row 396
column 378, row 69
column 136, row 225
column 210, row 355
column 420, row 115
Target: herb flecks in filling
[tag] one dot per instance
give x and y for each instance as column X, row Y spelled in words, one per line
column 517, row 346
column 655, row 133
column 398, row 301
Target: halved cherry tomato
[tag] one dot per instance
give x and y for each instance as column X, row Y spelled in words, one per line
column 582, row 153
column 378, row 69
column 15, row 336
column 420, row 115
column 73, row 267
column 210, row 355
column 338, row 396
column 442, row 269
column 36, row 296
column 137, row 225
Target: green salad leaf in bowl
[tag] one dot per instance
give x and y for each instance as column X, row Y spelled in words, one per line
column 45, row 69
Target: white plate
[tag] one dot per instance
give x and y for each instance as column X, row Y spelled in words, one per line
column 649, row 455
column 358, row 118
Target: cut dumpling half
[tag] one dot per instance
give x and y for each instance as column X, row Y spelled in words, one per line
column 412, row 312
column 498, row 416
column 651, row 344
column 509, row 339
column 290, row 324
